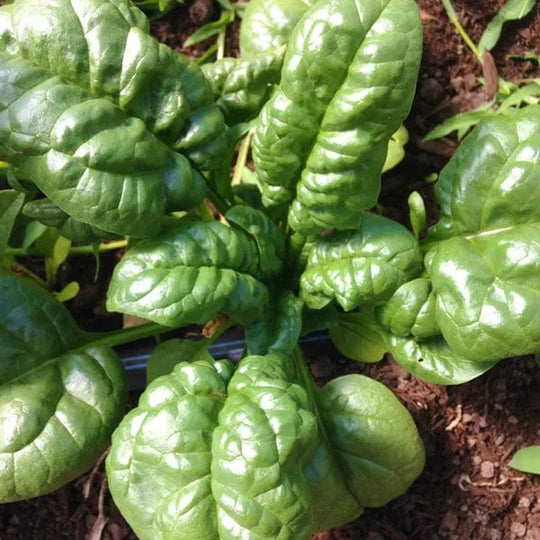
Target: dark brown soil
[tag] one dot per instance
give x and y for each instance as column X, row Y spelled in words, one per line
column 467, row 491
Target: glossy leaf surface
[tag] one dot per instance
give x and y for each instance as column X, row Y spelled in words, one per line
column 360, row 267
column 268, row 24
column 189, row 274
column 241, row 87
column 359, row 336
column 347, row 83
column 258, row 455
column 59, row 400
column 96, row 113
column 484, row 253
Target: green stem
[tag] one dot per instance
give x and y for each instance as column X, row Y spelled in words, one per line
column 74, row 250
column 123, row 335
column 207, row 54
column 221, row 45
column 242, row 157
column 452, row 15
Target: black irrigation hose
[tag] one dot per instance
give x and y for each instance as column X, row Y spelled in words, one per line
column 136, row 358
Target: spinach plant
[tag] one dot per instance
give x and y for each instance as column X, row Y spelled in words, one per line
column 114, row 134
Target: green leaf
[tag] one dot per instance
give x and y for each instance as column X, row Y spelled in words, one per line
column 529, row 55
column 70, row 291
column 11, row 202
column 258, row 453
column 59, row 400
column 279, row 328
column 169, row 353
column 211, row 29
column 120, row 135
column 512, row 10
column 364, row 424
column 410, row 311
column 528, row 94
column 360, row 267
column 484, row 252
column 241, row 86
column 360, row 337
column 189, row 274
column 396, row 148
column 461, row 122
column 33, row 231
column 267, row 24
column 267, row 236
column 527, row 460
column 49, row 214
column 59, row 254
column 345, row 88
column 417, row 213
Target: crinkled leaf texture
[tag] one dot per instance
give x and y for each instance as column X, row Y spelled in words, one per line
column 240, row 86
column 248, row 455
column 484, row 254
column 59, row 401
column 480, row 298
column 360, row 267
column 267, row 25
column 347, row 83
column 279, row 328
column 108, row 123
column 198, row 269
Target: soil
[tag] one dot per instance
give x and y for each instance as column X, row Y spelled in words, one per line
column 467, row 490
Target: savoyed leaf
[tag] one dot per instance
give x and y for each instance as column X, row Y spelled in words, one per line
column 189, row 274
column 511, row 11
column 484, row 253
column 267, row 24
column 109, row 132
column 279, row 328
column 48, row 213
column 241, row 87
column 258, row 454
column 169, row 353
column 345, row 89
column 360, row 337
column 59, row 400
column 360, row 267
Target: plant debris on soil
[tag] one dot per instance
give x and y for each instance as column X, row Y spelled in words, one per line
column 471, row 431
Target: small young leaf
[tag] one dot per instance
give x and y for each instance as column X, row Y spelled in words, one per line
column 211, row 29
column 527, row 460
column 396, row 148
column 524, row 95
column 11, row 202
column 511, row 11
column 70, row 291
column 417, row 213
column 169, row 353
column 34, row 230
column 461, row 122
